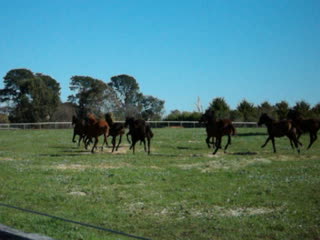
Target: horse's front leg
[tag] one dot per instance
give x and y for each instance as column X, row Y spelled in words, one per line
column 95, row 144
column 80, row 138
column 133, row 145
column 120, row 139
column 217, row 145
column 268, row 139
column 208, row 141
column 113, row 143
column 144, row 144
column 128, row 137
column 74, row 136
column 105, row 136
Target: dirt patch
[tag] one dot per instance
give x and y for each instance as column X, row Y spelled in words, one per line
column 237, row 212
column 223, row 164
column 181, row 211
column 77, row 193
column 81, row 167
column 6, row 159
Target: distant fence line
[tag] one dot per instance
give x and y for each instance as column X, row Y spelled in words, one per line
column 154, row 124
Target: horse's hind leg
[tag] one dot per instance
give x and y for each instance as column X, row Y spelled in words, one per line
column 148, row 141
column 313, row 138
column 228, row 143
column 273, row 145
column 120, row 138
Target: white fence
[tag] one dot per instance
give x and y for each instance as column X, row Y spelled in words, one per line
column 154, row 124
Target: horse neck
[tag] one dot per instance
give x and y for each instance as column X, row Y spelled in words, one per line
column 109, row 121
column 269, row 122
column 212, row 120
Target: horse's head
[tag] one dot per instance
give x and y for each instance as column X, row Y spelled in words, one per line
column 264, row 118
column 208, row 116
column 91, row 118
column 129, row 121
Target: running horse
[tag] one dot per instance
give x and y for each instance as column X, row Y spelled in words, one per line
column 279, row 129
column 139, row 131
column 78, row 129
column 217, row 128
column 302, row 125
column 94, row 129
column 116, row 129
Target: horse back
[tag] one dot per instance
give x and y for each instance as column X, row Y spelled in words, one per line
column 310, row 125
column 281, row 128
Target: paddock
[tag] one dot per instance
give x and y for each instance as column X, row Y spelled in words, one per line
column 179, row 191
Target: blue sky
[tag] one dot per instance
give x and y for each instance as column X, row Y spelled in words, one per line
column 266, row 50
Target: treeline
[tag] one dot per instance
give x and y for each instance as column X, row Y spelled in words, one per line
column 248, row 112
column 35, row 97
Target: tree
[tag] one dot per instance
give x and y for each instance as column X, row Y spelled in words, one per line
column 91, row 95
column 316, row 110
column 176, row 115
column 30, row 97
column 128, row 93
column 267, row 108
column 303, row 107
column 220, row 107
column 132, row 102
column 173, row 115
column 152, row 108
column 64, row 112
column 282, row 109
column 247, row 110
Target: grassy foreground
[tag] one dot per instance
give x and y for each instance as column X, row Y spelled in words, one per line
column 180, row 191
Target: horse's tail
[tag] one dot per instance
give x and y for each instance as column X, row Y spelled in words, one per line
column 149, row 131
column 233, row 130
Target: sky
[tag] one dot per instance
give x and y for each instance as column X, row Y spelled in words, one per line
column 177, row 50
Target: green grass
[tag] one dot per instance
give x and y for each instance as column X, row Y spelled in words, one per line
column 180, row 191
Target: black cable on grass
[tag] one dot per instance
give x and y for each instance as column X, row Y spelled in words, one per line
column 75, row 222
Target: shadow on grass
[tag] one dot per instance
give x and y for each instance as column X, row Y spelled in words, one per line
column 243, row 153
column 250, row 134
column 188, row 148
column 164, row 154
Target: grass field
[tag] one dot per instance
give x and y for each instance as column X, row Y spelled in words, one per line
column 180, row 191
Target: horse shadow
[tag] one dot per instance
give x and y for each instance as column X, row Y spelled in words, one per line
column 243, row 153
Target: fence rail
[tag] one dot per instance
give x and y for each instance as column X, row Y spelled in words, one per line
column 154, row 124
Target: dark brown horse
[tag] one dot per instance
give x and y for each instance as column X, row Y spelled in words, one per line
column 78, row 129
column 279, row 129
column 217, row 128
column 116, row 129
column 139, row 131
column 95, row 128
column 309, row 125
